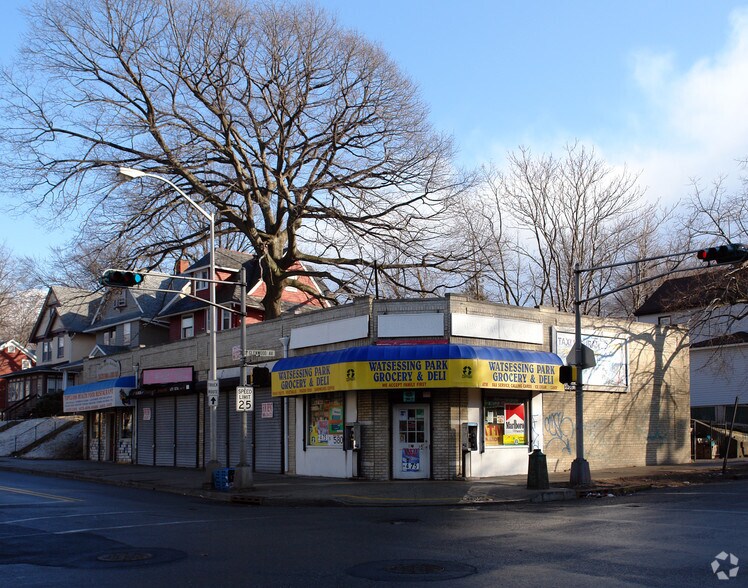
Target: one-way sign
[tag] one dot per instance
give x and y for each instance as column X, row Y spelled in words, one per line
column 213, row 388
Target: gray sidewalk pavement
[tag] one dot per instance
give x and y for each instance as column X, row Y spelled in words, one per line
column 290, row 490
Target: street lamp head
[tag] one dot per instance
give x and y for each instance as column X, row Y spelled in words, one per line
column 130, row 173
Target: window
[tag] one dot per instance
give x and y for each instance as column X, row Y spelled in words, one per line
column 126, row 334
column 54, row 384
column 225, row 319
column 11, row 348
column 125, row 431
column 15, row 390
column 60, row 346
column 201, row 283
column 25, row 364
column 504, row 422
column 325, row 420
column 46, row 351
column 665, row 320
column 188, row 326
column 120, row 298
column 110, row 337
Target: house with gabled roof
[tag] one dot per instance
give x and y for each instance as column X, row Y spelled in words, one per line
column 128, row 317
column 14, row 357
column 188, row 310
column 159, row 311
column 718, row 337
column 62, row 342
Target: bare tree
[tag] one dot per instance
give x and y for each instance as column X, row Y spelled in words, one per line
column 562, row 211
column 19, row 304
column 305, row 138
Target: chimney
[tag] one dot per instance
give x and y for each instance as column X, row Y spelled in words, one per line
column 181, row 267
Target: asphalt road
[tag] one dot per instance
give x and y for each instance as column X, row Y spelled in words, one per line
column 68, row 533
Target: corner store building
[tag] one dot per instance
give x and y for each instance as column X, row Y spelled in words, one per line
column 410, row 376
column 440, row 388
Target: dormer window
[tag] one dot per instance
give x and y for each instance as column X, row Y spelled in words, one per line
column 120, row 298
column 202, row 276
column 25, row 364
column 11, row 348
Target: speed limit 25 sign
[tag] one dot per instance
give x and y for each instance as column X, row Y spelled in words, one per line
column 245, row 397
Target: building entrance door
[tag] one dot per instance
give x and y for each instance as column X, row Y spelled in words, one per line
column 411, row 441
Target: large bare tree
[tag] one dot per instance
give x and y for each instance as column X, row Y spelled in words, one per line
column 540, row 215
column 303, row 137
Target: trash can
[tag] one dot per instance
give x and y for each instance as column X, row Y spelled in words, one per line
column 537, row 471
column 223, row 479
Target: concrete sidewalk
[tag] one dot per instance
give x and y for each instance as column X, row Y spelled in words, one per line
column 289, row 490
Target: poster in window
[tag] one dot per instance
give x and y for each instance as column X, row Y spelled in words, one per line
column 326, row 421
column 411, row 461
column 514, row 424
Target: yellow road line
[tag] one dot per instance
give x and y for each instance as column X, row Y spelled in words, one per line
column 39, row 494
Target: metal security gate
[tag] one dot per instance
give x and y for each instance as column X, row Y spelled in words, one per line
column 165, row 431
column 187, row 431
column 268, row 418
column 144, row 431
column 228, row 431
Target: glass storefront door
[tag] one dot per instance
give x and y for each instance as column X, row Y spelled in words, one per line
column 411, row 441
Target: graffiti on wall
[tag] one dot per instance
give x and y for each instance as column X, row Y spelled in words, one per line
column 559, row 430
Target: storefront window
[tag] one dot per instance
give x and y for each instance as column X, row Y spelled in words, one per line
column 505, row 422
column 325, row 420
column 126, row 430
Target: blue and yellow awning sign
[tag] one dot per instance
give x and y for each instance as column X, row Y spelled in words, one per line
column 375, row 367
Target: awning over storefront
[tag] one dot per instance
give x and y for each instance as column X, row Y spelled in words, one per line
column 383, row 367
column 97, row 395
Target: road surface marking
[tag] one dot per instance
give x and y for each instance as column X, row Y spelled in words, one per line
column 39, row 494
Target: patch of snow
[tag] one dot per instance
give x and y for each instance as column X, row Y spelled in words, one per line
column 26, row 432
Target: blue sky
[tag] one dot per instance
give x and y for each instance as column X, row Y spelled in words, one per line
column 659, row 86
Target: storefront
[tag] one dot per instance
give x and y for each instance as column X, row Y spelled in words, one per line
column 416, row 411
column 109, row 418
column 168, row 423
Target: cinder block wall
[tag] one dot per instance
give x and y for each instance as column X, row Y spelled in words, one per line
column 648, row 424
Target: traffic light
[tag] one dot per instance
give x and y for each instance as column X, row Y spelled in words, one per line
column 261, row 377
column 731, row 253
column 120, row 279
column 567, row 374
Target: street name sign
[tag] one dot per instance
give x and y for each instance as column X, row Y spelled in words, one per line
column 236, row 353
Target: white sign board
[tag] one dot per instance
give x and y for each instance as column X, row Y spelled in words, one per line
column 611, row 358
column 259, row 353
column 213, row 393
column 245, row 397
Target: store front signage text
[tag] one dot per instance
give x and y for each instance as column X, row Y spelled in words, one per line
column 417, row 373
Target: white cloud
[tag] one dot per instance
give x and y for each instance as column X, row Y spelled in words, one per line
column 697, row 118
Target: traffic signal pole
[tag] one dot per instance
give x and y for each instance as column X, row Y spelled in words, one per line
column 580, row 467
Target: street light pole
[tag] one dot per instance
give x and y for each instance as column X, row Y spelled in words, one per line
column 131, row 173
